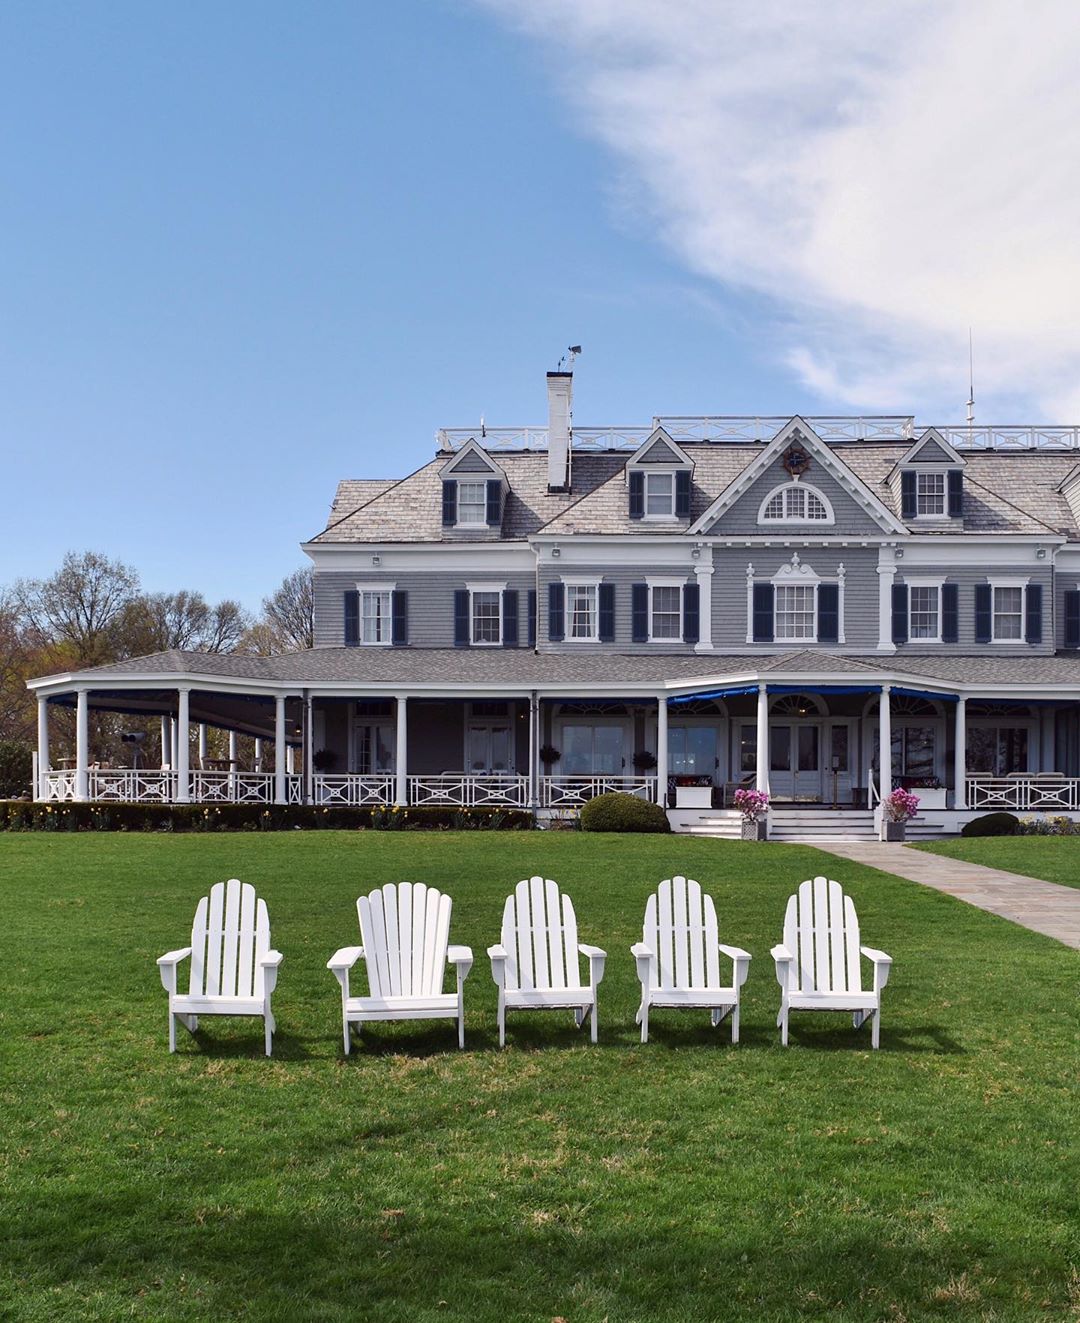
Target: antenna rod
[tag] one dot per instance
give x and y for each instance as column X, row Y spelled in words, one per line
column 971, row 381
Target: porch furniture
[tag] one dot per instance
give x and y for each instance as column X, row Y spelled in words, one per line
column 233, row 967
column 405, row 930
column 678, row 957
column 535, row 966
column 817, row 965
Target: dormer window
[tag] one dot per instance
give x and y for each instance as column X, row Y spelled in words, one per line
column 795, row 503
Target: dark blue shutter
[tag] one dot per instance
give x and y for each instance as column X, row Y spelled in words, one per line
column 352, row 619
column 956, row 494
column 510, row 618
column 494, row 502
column 984, row 623
column 691, row 613
column 556, row 612
column 639, row 612
column 461, row 618
column 950, row 613
column 637, row 494
column 399, row 611
column 909, row 505
column 606, row 599
column 899, row 613
column 1072, row 618
column 682, row 494
column 828, row 613
column 1033, row 623
column 449, row 503
column 763, row 612
column 531, row 604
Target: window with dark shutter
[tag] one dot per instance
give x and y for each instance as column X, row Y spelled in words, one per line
column 828, row 613
column 950, row 613
column 556, row 612
column 1072, row 617
column 531, row 607
column 909, row 506
column 510, row 618
column 900, row 612
column 352, row 618
column 606, row 598
column 984, row 622
column 494, row 502
column 399, row 609
column 682, row 494
column 637, row 494
column 461, row 618
column 449, row 503
column 639, row 612
column 956, row 494
column 1033, row 613
column 691, row 613
column 763, row 612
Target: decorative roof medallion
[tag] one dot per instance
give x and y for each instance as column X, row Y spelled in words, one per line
column 796, row 460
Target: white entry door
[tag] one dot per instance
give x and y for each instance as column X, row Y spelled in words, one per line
column 795, row 760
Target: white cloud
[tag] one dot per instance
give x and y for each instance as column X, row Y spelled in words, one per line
column 888, row 174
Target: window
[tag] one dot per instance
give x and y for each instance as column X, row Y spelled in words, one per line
column 665, row 612
column 659, row 495
column 486, row 617
column 376, row 625
column 795, row 503
column 582, row 617
column 1008, row 613
column 930, row 493
column 796, row 612
column 925, row 612
column 472, row 502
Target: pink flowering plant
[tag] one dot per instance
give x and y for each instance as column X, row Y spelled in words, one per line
column 752, row 804
column 900, row 805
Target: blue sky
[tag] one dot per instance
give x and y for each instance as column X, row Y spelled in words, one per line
column 249, row 249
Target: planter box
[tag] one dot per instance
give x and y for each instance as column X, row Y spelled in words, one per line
column 755, row 831
column 893, row 831
column 693, row 796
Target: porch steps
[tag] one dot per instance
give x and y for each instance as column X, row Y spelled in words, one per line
column 819, row 826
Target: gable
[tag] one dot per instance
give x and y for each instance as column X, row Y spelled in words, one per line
column 849, row 518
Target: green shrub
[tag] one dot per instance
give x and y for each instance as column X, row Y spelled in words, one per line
column 618, row 812
column 16, row 768
column 993, row 824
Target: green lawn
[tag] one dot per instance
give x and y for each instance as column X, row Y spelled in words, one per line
column 1053, row 858
column 679, row 1181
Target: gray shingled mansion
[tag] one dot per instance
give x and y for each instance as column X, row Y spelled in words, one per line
column 826, row 607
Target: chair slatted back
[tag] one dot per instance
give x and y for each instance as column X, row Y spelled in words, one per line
column 821, row 930
column 680, row 928
column 230, row 934
column 405, row 930
column 539, row 933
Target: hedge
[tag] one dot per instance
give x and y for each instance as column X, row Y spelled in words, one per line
column 21, row 815
column 621, row 812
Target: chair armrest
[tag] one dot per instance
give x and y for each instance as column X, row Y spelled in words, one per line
column 783, row 958
column 167, row 966
column 882, row 965
column 740, row 959
column 342, row 961
column 462, row 957
column 596, row 958
column 497, row 956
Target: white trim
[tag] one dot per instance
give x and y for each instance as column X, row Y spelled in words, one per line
column 791, row 521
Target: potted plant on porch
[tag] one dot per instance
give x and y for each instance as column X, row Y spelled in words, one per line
column 754, row 807
column 896, row 810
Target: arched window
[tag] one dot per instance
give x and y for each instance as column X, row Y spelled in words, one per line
column 795, row 503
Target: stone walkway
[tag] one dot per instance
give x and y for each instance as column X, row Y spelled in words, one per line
column 1044, row 907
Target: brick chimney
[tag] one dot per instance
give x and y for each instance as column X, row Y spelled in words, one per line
column 560, row 388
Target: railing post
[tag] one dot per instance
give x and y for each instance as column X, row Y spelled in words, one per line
column 279, row 750
column 960, row 756
column 183, row 746
column 401, row 753
column 82, row 744
column 43, row 766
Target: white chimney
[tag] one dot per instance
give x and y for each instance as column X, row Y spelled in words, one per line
column 560, row 386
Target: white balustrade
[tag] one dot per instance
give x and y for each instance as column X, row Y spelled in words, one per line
column 354, row 790
column 466, row 790
column 1042, row 792
column 572, row 791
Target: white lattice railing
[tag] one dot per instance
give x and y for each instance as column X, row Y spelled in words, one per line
column 232, row 787
column 570, row 791
column 1038, row 793
column 58, row 786
column 354, row 790
column 466, row 790
column 130, row 785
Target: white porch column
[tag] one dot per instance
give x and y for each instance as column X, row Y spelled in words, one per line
column 960, row 759
column 183, row 746
column 166, row 744
column 885, row 742
column 82, row 744
column 401, row 753
column 704, row 574
column 41, row 789
column 762, row 781
column 886, row 574
column 661, row 751
column 202, row 746
column 279, row 750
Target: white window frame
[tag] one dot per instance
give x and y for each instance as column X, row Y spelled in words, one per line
column 786, row 487
column 1014, row 582
column 912, row 584
column 471, row 523
column 658, row 471
column 592, row 586
column 925, row 471
column 380, row 589
column 490, row 588
column 680, row 584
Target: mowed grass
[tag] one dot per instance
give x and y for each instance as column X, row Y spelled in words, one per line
column 1053, row 858
column 682, row 1180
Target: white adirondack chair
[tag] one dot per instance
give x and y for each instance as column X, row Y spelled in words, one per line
column 678, row 957
column 535, row 965
column 405, row 930
column 817, row 966
column 233, row 968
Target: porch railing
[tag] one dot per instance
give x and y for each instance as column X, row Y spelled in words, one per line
column 354, row 790
column 1039, row 792
column 468, row 791
column 572, row 791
